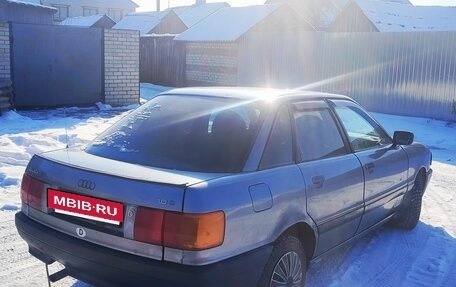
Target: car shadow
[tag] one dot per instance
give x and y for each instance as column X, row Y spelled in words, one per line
column 81, row 284
column 425, row 256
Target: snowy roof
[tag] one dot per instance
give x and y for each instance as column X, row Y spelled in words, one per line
column 193, row 14
column 114, row 3
column 38, row 2
column 396, row 17
column 32, row 3
column 322, row 13
column 144, row 21
column 228, row 24
column 319, row 12
column 134, row 3
column 84, row 21
column 400, row 1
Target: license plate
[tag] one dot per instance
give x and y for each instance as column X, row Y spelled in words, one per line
column 85, row 206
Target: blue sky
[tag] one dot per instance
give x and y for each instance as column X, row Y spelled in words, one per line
column 149, row 5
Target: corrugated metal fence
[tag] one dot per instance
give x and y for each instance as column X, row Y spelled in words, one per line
column 162, row 61
column 400, row 73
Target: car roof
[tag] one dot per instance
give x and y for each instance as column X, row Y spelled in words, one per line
column 249, row 93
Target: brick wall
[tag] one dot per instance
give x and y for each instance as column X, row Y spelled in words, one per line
column 121, row 67
column 213, row 63
column 5, row 69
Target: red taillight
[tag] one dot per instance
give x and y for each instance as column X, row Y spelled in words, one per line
column 180, row 230
column 25, row 187
column 32, row 192
column 149, row 225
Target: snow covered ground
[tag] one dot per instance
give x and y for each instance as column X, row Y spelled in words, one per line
column 425, row 256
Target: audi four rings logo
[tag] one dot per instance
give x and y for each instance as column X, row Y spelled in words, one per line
column 87, row 184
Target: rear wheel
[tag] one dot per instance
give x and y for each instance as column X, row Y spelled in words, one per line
column 286, row 266
column 409, row 214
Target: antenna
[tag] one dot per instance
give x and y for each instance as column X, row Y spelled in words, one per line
column 66, row 129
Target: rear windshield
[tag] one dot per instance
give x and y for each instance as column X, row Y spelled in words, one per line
column 191, row 133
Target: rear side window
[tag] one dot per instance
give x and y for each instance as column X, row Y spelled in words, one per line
column 279, row 149
column 190, row 133
column 317, row 135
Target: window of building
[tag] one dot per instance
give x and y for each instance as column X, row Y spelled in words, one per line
column 115, row 14
column 88, row 11
column 62, row 12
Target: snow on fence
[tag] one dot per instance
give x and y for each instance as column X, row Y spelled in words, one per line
column 410, row 74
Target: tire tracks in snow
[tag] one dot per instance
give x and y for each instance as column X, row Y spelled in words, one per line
column 425, row 256
column 432, row 265
column 18, row 267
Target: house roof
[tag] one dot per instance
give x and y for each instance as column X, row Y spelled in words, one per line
column 143, row 21
column 322, row 13
column 228, row 24
column 400, row 1
column 134, row 3
column 397, row 17
column 31, row 3
column 38, row 2
column 193, row 14
column 119, row 2
column 86, row 2
column 84, row 21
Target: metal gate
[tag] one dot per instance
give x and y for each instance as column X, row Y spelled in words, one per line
column 56, row 65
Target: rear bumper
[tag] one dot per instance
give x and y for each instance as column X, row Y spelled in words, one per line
column 103, row 266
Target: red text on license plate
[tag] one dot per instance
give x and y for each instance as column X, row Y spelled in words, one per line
column 85, row 206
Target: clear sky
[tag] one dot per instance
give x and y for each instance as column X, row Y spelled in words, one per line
column 149, row 5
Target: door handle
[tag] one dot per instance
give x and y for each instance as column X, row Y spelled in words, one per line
column 369, row 167
column 318, row 181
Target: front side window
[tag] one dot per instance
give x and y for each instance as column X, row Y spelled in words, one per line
column 317, row 135
column 363, row 132
column 279, row 149
column 190, row 133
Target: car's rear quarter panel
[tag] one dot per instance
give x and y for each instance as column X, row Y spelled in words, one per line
column 247, row 229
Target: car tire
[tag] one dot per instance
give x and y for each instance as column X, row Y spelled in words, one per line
column 409, row 214
column 287, row 264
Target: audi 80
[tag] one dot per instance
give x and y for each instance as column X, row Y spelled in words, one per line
column 220, row 187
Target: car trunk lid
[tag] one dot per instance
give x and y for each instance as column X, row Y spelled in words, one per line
column 74, row 170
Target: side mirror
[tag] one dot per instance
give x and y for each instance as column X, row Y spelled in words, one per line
column 403, row 138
